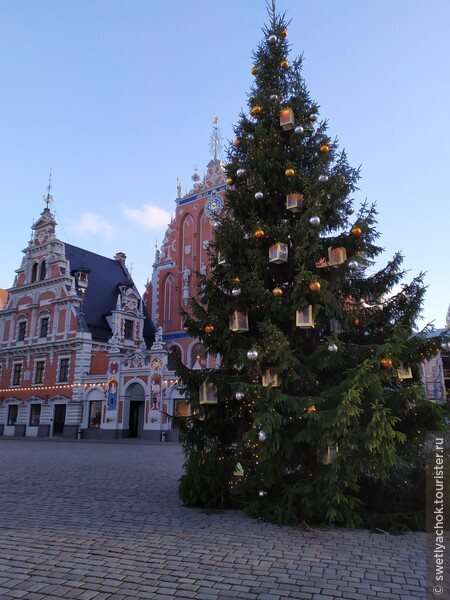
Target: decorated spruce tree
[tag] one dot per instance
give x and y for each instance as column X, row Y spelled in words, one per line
column 315, row 411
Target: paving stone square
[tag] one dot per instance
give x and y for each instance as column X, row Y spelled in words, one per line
column 94, row 520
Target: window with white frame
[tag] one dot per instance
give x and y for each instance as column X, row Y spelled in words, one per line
column 17, row 374
column 13, row 411
column 95, row 414
column 35, row 415
column 63, row 370
column 43, row 327
column 39, row 371
column 22, row 329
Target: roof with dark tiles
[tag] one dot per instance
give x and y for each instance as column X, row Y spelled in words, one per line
column 105, row 277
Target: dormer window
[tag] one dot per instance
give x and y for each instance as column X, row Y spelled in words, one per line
column 128, row 332
column 22, row 331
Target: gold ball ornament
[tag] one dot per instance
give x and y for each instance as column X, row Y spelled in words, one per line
column 312, row 408
column 256, row 110
column 325, row 148
column 209, row 328
column 386, row 363
column 284, row 64
column 289, row 172
column 185, row 329
column 356, row 231
column 314, row 286
column 356, row 322
column 254, row 70
column 259, row 233
column 229, row 181
column 237, row 143
column 277, row 292
column 284, row 34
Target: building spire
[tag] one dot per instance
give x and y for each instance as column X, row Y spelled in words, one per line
column 216, row 140
column 48, row 197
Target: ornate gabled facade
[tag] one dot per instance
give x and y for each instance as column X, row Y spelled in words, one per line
column 78, row 351
column 183, row 254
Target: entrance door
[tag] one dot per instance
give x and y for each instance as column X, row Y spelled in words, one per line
column 59, row 419
column 136, row 418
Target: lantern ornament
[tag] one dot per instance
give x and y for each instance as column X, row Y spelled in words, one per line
column 386, row 363
column 238, row 322
column 270, row 378
column 209, row 328
column 315, row 286
column 289, row 172
column 238, row 470
column 256, row 110
column 259, row 233
column 208, row 393
column 278, row 253
column 356, row 231
column 221, row 260
column 294, row 201
column 336, row 256
column 287, row 121
column 404, row 372
column 304, row 317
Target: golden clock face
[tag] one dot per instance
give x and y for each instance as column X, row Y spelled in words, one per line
column 213, row 206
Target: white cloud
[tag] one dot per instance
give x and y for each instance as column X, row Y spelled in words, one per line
column 93, row 223
column 148, row 216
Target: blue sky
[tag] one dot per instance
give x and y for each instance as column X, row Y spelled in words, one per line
column 118, row 98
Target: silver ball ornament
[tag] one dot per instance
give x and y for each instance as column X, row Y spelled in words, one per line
column 273, row 98
column 273, row 39
column 235, row 292
column 250, row 137
column 252, row 354
column 314, row 221
column 353, row 265
column 299, row 130
column 262, row 493
column 259, row 196
column 332, row 348
column 323, row 178
column 313, row 117
column 262, row 436
column 239, row 395
column 240, row 172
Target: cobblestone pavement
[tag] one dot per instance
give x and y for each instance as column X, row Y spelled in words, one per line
column 102, row 521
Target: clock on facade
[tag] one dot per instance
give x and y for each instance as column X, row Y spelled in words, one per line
column 213, row 206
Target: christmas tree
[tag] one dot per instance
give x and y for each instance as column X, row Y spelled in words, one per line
column 316, row 412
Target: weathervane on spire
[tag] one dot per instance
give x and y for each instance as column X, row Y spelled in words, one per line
column 48, row 197
column 216, row 140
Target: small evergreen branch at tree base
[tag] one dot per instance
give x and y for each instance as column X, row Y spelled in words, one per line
column 309, row 417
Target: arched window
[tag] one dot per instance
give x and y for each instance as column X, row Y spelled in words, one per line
column 168, row 302
column 43, row 271
column 174, row 356
column 34, row 272
column 198, row 354
column 187, row 241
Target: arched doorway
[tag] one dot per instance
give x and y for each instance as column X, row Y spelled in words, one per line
column 135, row 399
